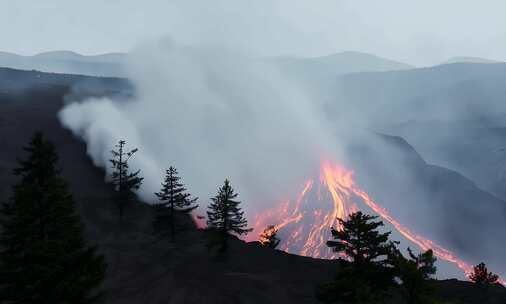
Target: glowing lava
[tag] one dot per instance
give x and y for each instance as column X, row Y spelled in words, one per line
column 308, row 219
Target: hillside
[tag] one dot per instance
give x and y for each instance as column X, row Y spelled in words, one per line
column 141, row 268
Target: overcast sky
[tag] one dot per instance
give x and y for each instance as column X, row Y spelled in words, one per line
column 418, row 32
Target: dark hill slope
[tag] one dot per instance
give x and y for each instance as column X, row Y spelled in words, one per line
column 29, row 102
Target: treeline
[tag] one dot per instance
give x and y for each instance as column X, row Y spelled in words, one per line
column 224, row 215
column 44, row 257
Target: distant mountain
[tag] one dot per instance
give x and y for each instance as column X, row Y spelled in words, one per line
column 337, row 64
column 469, row 60
column 67, row 62
column 17, row 81
column 476, row 148
column 446, row 92
column 113, row 64
column 69, row 55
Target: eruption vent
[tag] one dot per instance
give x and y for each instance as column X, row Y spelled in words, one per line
column 305, row 222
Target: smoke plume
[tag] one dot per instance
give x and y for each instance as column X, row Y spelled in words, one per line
column 214, row 113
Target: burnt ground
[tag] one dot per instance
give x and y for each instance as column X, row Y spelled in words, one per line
column 142, row 268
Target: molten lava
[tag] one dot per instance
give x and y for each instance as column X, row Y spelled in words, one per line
column 308, row 218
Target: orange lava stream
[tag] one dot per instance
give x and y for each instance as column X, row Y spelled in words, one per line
column 308, row 237
column 420, row 241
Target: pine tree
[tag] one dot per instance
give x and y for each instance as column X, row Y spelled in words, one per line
column 360, row 240
column 482, row 276
column 414, row 274
column 43, row 254
column 125, row 182
column 225, row 216
column 173, row 197
column 268, row 238
column 370, row 270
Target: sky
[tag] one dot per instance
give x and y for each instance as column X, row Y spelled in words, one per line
column 416, row 32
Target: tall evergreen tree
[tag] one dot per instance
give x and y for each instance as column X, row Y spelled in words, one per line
column 125, row 182
column 360, row 240
column 43, row 254
column 370, row 270
column 173, row 197
column 225, row 215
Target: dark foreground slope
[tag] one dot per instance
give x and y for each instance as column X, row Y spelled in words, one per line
column 143, row 269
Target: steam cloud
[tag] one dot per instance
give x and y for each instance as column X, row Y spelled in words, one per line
column 214, row 114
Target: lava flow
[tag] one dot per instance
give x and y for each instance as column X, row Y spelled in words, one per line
column 308, row 218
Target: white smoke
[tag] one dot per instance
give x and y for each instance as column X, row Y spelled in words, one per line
column 214, row 114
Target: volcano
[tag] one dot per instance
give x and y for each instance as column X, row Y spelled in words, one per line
column 305, row 222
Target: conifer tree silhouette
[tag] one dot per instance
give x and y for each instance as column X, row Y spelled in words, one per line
column 125, row 182
column 173, row 198
column 225, row 215
column 43, row 254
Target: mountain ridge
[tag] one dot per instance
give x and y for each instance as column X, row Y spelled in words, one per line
column 470, row 59
column 68, row 62
column 327, row 67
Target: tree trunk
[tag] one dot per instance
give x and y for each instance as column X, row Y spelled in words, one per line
column 172, row 226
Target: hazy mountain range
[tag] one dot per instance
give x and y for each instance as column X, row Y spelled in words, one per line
column 337, row 64
column 67, row 62
column 113, row 64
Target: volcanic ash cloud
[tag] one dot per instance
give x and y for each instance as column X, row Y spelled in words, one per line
column 214, row 114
